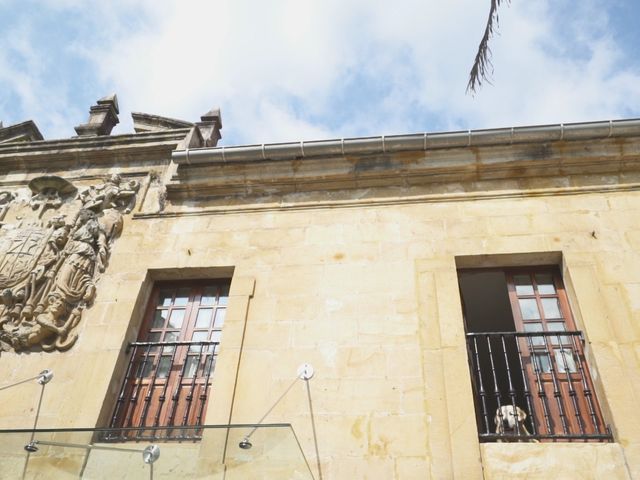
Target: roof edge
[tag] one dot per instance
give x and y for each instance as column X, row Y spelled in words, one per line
column 411, row 142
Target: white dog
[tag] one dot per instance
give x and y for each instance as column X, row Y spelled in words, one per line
column 510, row 420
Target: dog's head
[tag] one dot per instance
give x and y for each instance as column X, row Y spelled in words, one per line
column 509, row 417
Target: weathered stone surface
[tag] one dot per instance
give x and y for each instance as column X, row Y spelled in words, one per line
column 359, row 280
column 52, row 256
column 554, row 460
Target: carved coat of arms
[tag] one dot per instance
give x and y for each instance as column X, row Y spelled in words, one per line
column 51, row 255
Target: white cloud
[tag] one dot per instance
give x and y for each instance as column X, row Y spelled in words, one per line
column 287, row 70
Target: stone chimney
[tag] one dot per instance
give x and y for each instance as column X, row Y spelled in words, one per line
column 102, row 118
column 210, row 125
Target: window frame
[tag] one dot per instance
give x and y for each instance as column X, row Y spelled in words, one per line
column 562, row 379
column 153, row 421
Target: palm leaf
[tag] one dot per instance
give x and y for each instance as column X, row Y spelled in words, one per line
column 482, row 67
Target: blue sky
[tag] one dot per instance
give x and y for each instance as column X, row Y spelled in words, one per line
column 287, row 70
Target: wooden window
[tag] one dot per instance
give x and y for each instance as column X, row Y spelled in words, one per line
column 526, row 352
column 170, row 366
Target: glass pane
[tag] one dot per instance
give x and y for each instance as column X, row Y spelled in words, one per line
column 542, row 362
column 556, row 326
column 208, row 296
column 164, row 367
column 170, row 337
column 210, row 365
column 529, row 308
column 182, row 297
column 200, row 336
column 204, row 318
column 159, row 318
column 551, row 308
column 164, row 299
column 523, row 284
column 545, row 284
column 175, row 321
column 153, row 337
column 220, row 314
column 191, row 368
column 216, row 336
column 565, row 361
column 224, row 295
column 534, row 327
column 145, row 368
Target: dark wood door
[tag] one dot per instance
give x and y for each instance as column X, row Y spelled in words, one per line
column 555, row 368
column 172, row 362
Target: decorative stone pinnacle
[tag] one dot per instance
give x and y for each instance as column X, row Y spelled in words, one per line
column 210, row 125
column 102, row 117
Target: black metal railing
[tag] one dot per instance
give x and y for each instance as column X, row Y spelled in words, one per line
column 166, row 384
column 532, row 386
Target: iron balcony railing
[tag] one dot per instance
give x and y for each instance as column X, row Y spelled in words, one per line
column 533, row 386
column 166, row 384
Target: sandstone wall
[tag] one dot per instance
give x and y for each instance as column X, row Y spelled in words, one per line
column 369, row 296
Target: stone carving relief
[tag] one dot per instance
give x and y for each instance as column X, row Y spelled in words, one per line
column 52, row 251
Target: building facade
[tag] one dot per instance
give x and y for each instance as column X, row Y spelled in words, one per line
column 380, row 308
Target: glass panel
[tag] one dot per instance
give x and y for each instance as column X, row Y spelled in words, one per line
column 565, row 361
column 170, row 337
column 145, row 367
column 529, row 308
column 164, row 367
column 200, row 336
column 543, row 363
column 216, row 336
column 523, row 284
column 545, row 284
column 164, row 299
column 210, row 365
column 224, row 295
column 182, row 297
column 558, row 327
column 68, row 454
column 204, row 318
column 153, row 337
column 208, row 296
column 535, row 327
column 175, row 321
column 159, row 318
column 551, row 308
column 220, row 314
column 191, row 369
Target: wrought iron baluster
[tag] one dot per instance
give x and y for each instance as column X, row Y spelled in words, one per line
column 163, row 395
column 185, row 418
column 542, row 394
column 496, row 388
column 572, row 391
column 557, row 392
column 125, row 384
column 585, row 384
column 176, row 394
column 150, row 389
column 525, row 383
column 512, row 391
column 138, row 387
column 205, row 389
column 481, row 392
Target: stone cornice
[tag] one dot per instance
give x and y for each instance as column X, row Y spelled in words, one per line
column 273, row 206
column 272, row 175
column 21, row 132
column 106, row 150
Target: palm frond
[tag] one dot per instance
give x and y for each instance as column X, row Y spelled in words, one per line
column 482, row 67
